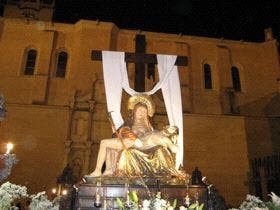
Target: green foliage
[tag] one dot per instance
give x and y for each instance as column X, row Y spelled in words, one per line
column 194, row 205
column 174, row 204
column 201, row 206
column 156, row 203
column 120, row 203
column 133, row 196
column 271, row 206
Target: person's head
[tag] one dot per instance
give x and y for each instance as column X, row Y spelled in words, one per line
column 144, row 100
column 140, row 111
column 171, row 132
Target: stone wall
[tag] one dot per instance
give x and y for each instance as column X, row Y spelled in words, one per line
column 54, row 121
column 38, row 134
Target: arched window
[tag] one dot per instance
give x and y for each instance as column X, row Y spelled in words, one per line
column 235, row 78
column 30, row 62
column 207, row 76
column 61, row 64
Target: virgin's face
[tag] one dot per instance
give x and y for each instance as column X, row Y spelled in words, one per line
column 141, row 112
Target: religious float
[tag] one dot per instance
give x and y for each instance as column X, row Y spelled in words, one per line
column 143, row 165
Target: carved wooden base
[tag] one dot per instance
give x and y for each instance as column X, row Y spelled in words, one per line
column 85, row 196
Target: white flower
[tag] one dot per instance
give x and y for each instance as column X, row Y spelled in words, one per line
column 253, row 198
column 10, row 192
column 15, row 191
column 275, row 199
column 251, row 203
column 163, row 202
column 146, row 203
column 5, row 201
column 40, row 202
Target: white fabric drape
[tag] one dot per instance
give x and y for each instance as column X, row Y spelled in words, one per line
column 162, row 80
column 112, row 64
column 171, row 92
column 116, row 78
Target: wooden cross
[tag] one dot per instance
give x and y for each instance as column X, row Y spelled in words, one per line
column 140, row 59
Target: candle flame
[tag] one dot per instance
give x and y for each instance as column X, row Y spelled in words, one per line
column 9, row 147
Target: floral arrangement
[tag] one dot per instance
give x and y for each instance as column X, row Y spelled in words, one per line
column 10, row 194
column 274, row 204
column 41, row 202
column 156, row 203
column 254, row 203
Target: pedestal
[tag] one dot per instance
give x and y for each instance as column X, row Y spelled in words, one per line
column 86, row 193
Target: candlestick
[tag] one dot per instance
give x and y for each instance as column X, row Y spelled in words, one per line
column 187, row 201
column 127, row 196
column 97, row 197
column 97, row 202
column 197, row 205
column 104, row 204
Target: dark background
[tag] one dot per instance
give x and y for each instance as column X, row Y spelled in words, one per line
column 235, row 19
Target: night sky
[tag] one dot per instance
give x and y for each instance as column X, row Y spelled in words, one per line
column 231, row 19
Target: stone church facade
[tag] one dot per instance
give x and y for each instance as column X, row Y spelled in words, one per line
column 56, row 106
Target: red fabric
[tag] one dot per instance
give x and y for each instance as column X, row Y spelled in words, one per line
column 126, row 132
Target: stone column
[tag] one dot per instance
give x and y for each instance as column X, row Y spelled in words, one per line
column 224, row 65
column 89, row 140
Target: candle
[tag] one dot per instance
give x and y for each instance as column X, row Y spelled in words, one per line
column 97, row 197
column 105, row 204
column 97, row 203
column 127, row 196
column 9, row 148
column 197, row 207
column 187, row 200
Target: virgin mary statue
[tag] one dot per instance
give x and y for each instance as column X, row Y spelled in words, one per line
column 141, row 150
